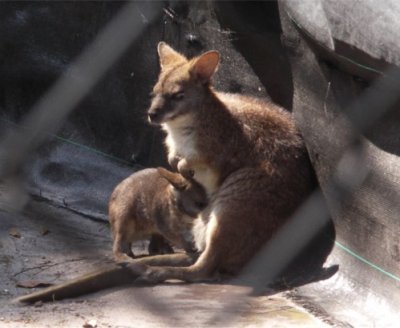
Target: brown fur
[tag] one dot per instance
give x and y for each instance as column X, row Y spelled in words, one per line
column 246, row 152
column 250, row 151
column 153, row 202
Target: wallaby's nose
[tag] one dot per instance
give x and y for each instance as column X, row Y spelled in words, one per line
column 153, row 116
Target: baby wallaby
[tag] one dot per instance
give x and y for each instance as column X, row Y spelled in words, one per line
column 154, row 203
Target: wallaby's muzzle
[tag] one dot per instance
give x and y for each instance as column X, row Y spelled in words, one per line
column 157, row 110
column 160, row 114
column 154, row 117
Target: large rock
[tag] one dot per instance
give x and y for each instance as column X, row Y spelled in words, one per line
column 338, row 52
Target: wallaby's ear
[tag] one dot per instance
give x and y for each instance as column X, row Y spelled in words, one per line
column 177, row 180
column 168, row 55
column 205, row 66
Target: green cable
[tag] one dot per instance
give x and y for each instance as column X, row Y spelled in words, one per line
column 299, row 26
column 79, row 145
column 358, row 257
column 91, row 149
column 347, row 250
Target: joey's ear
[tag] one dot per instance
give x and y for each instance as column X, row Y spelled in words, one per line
column 168, row 55
column 177, row 180
column 205, row 66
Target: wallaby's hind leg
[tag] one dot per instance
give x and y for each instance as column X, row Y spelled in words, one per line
column 153, row 271
column 203, row 269
column 173, row 260
column 245, row 213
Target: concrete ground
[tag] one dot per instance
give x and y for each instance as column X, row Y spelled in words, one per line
column 46, row 244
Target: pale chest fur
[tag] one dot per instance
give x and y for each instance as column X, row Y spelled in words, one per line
column 181, row 138
column 181, row 142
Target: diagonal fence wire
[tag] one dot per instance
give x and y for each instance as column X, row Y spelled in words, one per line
column 348, row 175
column 75, row 83
column 47, row 116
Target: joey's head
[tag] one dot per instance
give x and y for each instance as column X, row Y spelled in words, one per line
column 183, row 85
column 190, row 196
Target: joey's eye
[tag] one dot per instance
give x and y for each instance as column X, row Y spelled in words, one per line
column 200, row 204
column 177, row 95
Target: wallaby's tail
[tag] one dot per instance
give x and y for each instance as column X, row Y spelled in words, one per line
column 115, row 275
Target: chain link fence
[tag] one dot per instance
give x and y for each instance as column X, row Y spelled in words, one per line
column 50, row 113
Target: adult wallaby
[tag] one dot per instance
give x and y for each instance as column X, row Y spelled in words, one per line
column 245, row 151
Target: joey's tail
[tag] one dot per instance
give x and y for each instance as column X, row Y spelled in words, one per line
column 115, row 275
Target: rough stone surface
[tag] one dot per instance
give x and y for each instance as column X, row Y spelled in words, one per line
column 56, row 245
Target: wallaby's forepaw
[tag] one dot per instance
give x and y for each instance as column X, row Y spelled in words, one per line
column 185, row 169
column 173, row 162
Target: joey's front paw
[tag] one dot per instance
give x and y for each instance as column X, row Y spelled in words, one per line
column 185, row 169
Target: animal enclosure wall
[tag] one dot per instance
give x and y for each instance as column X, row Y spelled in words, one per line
column 320, row 60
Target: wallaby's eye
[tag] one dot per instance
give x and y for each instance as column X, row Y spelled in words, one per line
column 177, row 95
